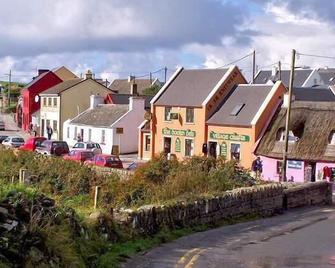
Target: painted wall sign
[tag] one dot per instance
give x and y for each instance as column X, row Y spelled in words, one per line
column 223, row 149
column 229, row 137
column 294, row 164
column 178, row 145
column 177, row 132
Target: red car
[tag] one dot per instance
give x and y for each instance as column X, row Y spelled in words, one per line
column 32, row 143
column 105, row 160
column 79, row 156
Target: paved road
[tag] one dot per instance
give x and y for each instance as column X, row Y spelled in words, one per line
column 11, row 127
column 300, row 238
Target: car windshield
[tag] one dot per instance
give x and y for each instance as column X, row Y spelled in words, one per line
column 17, row 140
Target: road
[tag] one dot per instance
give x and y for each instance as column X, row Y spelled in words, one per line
column 11, row 127
column 299, row 238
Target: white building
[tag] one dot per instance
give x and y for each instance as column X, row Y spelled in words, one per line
column 113, row 126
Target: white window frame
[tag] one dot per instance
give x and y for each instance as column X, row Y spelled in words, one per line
column 189, row 108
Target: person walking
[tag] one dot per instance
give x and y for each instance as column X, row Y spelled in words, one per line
column 49, row 132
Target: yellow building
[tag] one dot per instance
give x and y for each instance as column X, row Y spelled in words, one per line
column 179, row 111
column 66, row 100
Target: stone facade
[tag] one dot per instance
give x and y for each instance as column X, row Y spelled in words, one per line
column 266, row 200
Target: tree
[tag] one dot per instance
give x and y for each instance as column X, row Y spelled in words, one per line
column 152, row 90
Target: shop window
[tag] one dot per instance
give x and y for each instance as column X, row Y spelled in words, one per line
column 235, row 151
column 189, row 115
column 188, row 147
column 147, row 141
column 167, row 112
column 331, row 138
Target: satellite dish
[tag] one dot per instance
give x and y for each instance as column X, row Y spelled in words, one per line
column 37, row 98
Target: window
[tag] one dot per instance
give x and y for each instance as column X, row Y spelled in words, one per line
column 235, row 150
column 188, row 147
column 281, row 135
column 147, row 142
column 75, row 133
column 44, row 101
column 55, row 102
column 49, row 101
column 237, row 109
column 68, row 132
column 167, row 114
column 89, row 134
column 54, row 126
column 48, row 122
column 79, row 145
column 189, row 115
column 103, row 138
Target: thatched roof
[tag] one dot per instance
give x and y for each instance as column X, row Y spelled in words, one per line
column 312, row 122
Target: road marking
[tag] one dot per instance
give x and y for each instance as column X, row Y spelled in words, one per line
column 194, row 259
column 183, row 259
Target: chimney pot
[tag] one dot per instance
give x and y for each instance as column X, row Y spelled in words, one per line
column 89, row 74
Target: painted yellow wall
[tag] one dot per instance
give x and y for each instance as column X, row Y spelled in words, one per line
column 246, row 151
column 65, row 74
column 79, row 96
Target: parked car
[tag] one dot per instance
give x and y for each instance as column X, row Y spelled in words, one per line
column 51, row 147
column 88, row 146
column 105, row 160
column 2, row 138
column 2, row 125
column 13, row 142
column 32, row 143
column 79, row 156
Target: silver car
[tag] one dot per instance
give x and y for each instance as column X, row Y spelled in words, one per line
column 88, row 146
column 13, row 142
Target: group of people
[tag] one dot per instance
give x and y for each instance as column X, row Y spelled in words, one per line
column 33, row 130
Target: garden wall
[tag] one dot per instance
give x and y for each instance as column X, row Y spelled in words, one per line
column 265, row 200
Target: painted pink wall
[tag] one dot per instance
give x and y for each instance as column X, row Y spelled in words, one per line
column 270, row 170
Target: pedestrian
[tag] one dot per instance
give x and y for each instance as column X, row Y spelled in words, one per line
column 49, row 132
column 257, row 167
column 35, row 130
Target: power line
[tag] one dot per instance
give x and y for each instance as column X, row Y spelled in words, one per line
column 242, row 58
column 316, row 56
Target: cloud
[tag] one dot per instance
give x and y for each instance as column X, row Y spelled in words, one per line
column 47, row 26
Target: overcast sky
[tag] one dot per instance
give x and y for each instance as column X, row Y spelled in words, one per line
column 115, row 38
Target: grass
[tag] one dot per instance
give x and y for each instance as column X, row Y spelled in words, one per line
column 122, row 251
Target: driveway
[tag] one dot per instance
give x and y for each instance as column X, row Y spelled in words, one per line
column 299, row 238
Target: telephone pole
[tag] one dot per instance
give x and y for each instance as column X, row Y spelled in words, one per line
column 288, row 114
column 279, row 69
column 165, row 73
column 253, row 66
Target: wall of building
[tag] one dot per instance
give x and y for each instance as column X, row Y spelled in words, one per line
column 313, row 79
column 77, row 99
column 246, row 149
column 319, row 169
column 142, row 152
column 270, row 170
column 65, row 74
column 51, row 113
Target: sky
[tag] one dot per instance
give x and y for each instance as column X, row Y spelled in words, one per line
column 116, row 38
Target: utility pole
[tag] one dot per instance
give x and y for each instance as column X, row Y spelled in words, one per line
column 288, row 113
column 9, row 86
column 150, row 78
column 279, row 69
column 253, row 66
column 165, row 73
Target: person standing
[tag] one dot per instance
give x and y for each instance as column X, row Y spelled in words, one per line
column 49, row 132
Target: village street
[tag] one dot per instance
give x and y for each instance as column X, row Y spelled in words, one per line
column 299, row 238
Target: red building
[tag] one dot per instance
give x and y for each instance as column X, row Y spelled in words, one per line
column 30, row 100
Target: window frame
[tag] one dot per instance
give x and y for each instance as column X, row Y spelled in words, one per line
column 54, row 102
column 239, row 152
column 187, row 115
column 192, row 147
column 147, row 146
column 167, row 111
column 49, row 101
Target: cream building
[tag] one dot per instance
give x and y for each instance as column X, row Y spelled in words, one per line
column 67, row 100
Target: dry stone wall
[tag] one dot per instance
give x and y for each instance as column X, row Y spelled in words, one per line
column 265, row 200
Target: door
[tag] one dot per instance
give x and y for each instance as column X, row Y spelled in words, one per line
column 42, row 128
column 313, row 175
column 310, row 169
column 212, row 149
column 167, row 145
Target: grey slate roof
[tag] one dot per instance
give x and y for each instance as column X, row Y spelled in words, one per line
column 327, row 75
column 62, row 86
column 191, row 87
column 252, row 96
column 102, row 116
column 124, row 99
column 300, row 76
column 122, row 86
column 313, row 94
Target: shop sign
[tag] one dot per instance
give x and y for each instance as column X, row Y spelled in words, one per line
column 176, row 132
column 178, row 146
column 223, row 149
column 229, row 137
column 294, row 164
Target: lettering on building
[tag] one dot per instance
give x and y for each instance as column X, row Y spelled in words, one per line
column 178, row 132
column 229, row 137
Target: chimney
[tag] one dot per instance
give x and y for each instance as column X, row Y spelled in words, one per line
column 89, row 74
column 95, row 100
column 133, row 89
column 131, row 78
column 136, row 103
column 274, row 70
column 285, row 102
column 41, row 71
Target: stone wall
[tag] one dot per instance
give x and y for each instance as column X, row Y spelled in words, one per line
column 265, row 200
column 312, row 193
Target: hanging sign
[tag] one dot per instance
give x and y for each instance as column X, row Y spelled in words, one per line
column 294, row 164
column 229, row 137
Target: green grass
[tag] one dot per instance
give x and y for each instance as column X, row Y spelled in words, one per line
column 120, row 252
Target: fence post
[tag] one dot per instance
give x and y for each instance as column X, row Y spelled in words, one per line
column 96, row 193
